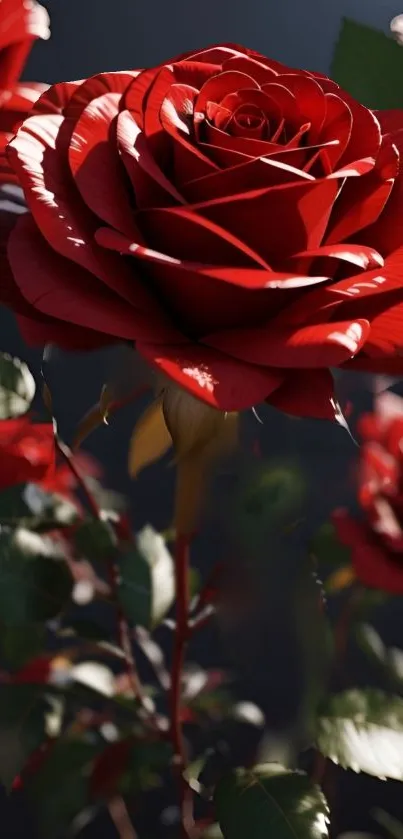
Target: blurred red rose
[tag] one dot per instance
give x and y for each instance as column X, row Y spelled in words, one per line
column 21, row 22
column 28, row 455
column 234, row 219
column 376, row 541
column 27, row 452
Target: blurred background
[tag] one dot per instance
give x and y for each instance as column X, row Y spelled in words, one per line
column 314, row 461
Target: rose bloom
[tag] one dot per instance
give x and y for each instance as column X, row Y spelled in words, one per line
column 21, row 23
column 235, row 220
column 28, row 455
column 27, row 452
column 376, row 541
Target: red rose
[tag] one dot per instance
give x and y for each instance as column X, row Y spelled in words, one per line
column 376, row 541
column 27, row 452
column 28, row 455
column 236, row 220
column 21, row 22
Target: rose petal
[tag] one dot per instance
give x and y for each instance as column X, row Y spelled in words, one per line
column 59, row 212
column 216, row 54
column 337, row 125
column 253, row 174
column 319, row 345
column 189, row 162
column 256, row 98
column 349, row 531
column 361, row 202
column 19, row 104
column 213, row 136
column 286, row 102
column 387, row 365
column 67, row 336
column 386, row 338
column 55, row 99
column 226, row 291
column 261, row 73
column 218, row 86
column 374, row 565
column 151, row 187
column 93, row 151
column 310, row 99
column 306, row 394
column 21, row 23
column 365, row 138
column 98, row 85
column 135, row 95
column 212, row 377
column 279, row 221
column 62, row 289
column 361, row 255
column 183, row 234
column 230, row 295
column 390, row 121
column 385, row 234
column 380, row 288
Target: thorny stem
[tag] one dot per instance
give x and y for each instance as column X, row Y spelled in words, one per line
column 342, row 629
column 121, row 819
column 341, row 636
column 182, row 631
column 123, row 628
column 180, row 641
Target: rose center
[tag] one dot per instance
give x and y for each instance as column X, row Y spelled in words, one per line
column 250, row 121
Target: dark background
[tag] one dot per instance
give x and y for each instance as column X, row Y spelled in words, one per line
column 266, row 655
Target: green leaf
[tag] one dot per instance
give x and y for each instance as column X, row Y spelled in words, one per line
column 94, row 540
column 212, row 832
column 368, row 64
column 147, row 587
column 22, row 727
column 194, row 770
column 362, row 730
column 388, row 660
column 270, row 800
column 17, row 387
column 33, row 587
column 59, row 789
column 327, row 549
column 269, row 496
column 146, row 762
column 18, row 644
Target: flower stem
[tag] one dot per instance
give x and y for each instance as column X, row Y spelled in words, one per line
column 113, row 573
column 180, row 640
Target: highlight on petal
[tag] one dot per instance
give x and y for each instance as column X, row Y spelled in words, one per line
column 361, row 255
column 318, row 345
column 21, row 23
column 92, row 150
column 62, row 217
column 55, row 99
column 209, row 375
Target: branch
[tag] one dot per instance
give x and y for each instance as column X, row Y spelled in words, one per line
column 113, row 572
column 180, row 640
